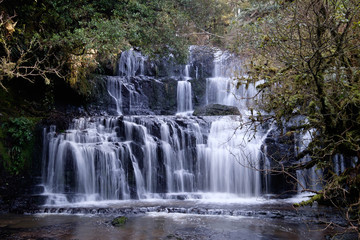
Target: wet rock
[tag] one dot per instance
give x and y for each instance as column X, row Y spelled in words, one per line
column 276, row 215
column 279, row 150
column 161, row 95
column 216, row 110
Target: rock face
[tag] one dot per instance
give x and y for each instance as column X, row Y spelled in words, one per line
column 279, row 149
column 140, row 95
column 216, row 110
column 147, row 87
column 161, row 95
column 201, row 61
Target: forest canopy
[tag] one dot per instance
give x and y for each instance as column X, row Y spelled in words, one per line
column 70, row 39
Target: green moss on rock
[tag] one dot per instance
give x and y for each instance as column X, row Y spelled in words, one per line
column 119, row 221
column 316, row 198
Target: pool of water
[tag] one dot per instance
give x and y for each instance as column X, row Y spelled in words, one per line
column 151, row 226
column 176, row 219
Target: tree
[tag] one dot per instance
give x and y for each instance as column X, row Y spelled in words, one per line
column 22, row 60
column 206, row 21
column 307, row 55
column 76, row 38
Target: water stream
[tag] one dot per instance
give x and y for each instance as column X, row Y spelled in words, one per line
column 153, row 226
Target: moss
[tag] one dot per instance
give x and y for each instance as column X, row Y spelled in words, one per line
column 316, row 198
column 119, row 221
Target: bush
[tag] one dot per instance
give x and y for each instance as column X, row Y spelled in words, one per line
column 16, row 144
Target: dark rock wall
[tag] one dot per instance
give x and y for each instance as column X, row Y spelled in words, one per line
column 279, row 148
column 216, row 110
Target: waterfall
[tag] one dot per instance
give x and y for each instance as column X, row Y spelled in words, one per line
column 187, row 72
column 84, row 163
column 222, row 88
column 145, row 157
column 125, row 96
column 131, row 63
column 339, row 163
column 307, row 178
column 184, row 92
column 184, row 97
column 114, row 87
column 108, row 158
column 230, row 160
column 169, row 157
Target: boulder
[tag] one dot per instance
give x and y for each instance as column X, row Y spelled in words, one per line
column 216, row 110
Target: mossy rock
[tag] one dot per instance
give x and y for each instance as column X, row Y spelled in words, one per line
column 119, row 221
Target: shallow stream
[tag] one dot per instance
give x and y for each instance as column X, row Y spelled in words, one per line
column 171, row 219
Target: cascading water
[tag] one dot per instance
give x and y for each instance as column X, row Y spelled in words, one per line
column 184, row 97
column 131, row 64
column 114, row 87
column 184, row 91
column 231, row 161
column 221, row 87
column 114, row 158
column 310, row 179
column 86, row 157
column 187, row 72
column 140, row 157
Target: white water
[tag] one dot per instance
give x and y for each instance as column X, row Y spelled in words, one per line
column 131, row 63
column 231, row 160
column 186, row 75
column 108, row 159
column 114, row 87
column 222, row 87
column 184, row 97
column 142, row 157
column 184, row 91
column 311, row 178
column 117, row 87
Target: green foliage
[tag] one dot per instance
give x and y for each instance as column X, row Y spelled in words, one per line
column 16, row 144
column 19, row 130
